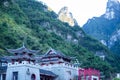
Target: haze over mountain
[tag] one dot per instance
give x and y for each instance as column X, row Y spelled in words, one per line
column 106, row 28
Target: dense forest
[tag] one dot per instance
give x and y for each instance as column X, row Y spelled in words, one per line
column 34, row 24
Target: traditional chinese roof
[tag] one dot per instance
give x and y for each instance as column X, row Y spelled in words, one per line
column 22, row 49
column 22, row 53
column 47, row 73
column 8, row 58
column 22, row 57
column 4, row 59
column 52, row 53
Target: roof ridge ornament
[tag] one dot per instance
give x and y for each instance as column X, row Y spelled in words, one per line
column 23, row 45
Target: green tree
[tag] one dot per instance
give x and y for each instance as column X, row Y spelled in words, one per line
column 116, row 79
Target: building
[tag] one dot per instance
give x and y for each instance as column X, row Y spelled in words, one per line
column 101, row 55
column 61, row 65
column 53, row 65
column 3, row 68
column 88, row 74
column 24, row 65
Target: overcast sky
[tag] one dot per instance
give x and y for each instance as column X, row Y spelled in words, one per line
column 82, row 10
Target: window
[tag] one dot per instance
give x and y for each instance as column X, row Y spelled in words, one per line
column 4, row 64
column 4, row 76
column 82, row 78
column 15, row 76
column 33, row 77
column 94, row 79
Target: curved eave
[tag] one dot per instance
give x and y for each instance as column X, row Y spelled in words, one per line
column 48, row 73
column 21, row 50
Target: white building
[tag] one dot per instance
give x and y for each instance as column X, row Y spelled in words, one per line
column 24, row 66
column 59, row 64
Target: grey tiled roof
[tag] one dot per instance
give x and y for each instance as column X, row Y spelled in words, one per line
column 3, row 59
column 53, row 52
column 50, row 60
column 47, row 73
column 21, row 50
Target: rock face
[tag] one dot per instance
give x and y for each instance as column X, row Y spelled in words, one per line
column 65, row 16
column 106, row 28
column 112, row 9
column 114, row 38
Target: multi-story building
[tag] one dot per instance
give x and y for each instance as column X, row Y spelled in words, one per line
column 61, row 65
column 24, row 65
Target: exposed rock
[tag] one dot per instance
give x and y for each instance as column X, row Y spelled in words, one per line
column 6, row 3
column 66, row 16
column 113, row 6
column 115, row 37
column 75, row 41
column 79, row 34
column 106, row 28
column 69, row 37
column 103, row 42
column 45, row 24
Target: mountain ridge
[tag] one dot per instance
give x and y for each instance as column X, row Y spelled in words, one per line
column 106, row 27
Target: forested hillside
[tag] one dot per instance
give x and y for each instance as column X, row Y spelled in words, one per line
column 31, row 22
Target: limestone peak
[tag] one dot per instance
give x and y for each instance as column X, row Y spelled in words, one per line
column 66, row 16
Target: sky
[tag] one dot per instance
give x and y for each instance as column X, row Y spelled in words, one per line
column 82, row 10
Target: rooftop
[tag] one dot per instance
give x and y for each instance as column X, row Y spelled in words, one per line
column 22, row 49
column 48, row 73
column 52, row 53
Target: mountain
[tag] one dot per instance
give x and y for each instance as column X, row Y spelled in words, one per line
column 66, row 16
column 31, row 22
column 106, row 27
column 112, row 10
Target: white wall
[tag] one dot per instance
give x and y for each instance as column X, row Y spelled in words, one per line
column 64, row 72
column 22, row 69
column 95, row 77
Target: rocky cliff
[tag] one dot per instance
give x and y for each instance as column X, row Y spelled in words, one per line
column 106, row 27
column 66, row 16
